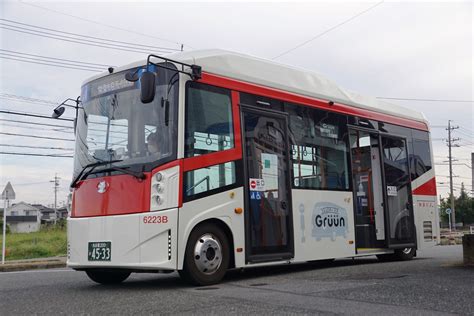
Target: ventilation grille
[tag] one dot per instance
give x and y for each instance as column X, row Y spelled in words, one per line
column 428, row 231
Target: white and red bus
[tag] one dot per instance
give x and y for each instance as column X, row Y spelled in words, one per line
column 214, row 160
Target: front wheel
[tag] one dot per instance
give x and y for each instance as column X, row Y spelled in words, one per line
column 107, row 276
column 207, row 256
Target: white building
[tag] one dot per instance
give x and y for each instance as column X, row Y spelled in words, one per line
column 23, row 218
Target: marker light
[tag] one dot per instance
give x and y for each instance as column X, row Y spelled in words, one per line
column 158, row 200
column 158, row 188
column 159, row 176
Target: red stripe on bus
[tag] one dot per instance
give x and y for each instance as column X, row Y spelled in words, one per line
column 303, row 100
column 427, row 188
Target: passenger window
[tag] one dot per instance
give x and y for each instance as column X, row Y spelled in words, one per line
column 209, row 126
column 320, row 155
column 200, row 181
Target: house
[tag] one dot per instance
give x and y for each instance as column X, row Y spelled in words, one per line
column 23, row 218
column 48, row 215
column 62, row 212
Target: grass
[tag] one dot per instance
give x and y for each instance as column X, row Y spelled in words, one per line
column 48, row 242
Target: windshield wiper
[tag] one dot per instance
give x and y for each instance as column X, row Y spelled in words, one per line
column 92, row 166
column 137, row 174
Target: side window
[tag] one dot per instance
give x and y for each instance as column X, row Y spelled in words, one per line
column 320, row 155
column 421, row 159
column 209, row 126
column 200, row 181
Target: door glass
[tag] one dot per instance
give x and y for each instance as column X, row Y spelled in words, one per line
column 267, row 168
column 368, row 194
column 398, row 191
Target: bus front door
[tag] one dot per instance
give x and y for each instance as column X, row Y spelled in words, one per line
column 398, row 193
column 268, row 213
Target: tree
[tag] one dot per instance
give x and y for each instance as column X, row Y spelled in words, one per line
column 1, row 226
column 464, row 206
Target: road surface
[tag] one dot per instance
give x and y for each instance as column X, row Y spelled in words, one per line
column 434, row 283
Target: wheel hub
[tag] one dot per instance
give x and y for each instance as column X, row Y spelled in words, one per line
column 207, row 254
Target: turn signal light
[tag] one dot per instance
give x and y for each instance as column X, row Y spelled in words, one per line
column 238, row 210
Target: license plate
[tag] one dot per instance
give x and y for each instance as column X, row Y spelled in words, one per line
column 100, row 251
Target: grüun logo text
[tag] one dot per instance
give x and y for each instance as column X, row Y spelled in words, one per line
column 329, row 220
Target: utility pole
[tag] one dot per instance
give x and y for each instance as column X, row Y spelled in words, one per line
column 55, row 182
column 472, row 176
column 450, row 157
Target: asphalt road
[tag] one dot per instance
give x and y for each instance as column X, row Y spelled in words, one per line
column 434, row 283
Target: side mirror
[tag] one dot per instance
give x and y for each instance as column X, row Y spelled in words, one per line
column 57, row 112
column 147, row 87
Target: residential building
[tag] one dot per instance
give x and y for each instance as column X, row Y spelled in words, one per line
column 23, row 218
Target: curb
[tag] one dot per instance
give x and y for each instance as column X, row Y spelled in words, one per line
column 10, row 267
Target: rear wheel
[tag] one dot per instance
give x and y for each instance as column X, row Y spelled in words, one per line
column 107, row 276
column 207, row 256
column 399, row 255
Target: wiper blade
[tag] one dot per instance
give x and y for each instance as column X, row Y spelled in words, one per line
column 92, row 166
column 137, row 174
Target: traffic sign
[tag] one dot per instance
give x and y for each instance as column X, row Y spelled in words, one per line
column 448, row 211
column 8, row 193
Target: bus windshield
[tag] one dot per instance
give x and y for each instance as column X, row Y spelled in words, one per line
column 113, row 124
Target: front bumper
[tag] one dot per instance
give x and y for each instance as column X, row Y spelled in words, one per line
column 143, row 241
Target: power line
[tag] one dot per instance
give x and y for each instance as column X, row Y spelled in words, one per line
column 35, row 115
column 52, row 60
column 34, row 136
column 23, row 98
column 58, row 130
column 425, row 100
column 327, row 31
column 36, row 123
column 39, row 63
column 92, row 37
column 31, row 154
column 100, row 66
column 77, row 41
column 100, row 23
column 37, row 147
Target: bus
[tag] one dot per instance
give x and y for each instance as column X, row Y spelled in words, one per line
column 210, row 160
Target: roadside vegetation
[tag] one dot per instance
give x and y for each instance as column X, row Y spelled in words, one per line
column 50, row 241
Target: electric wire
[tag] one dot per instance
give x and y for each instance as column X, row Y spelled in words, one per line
column 327, row 31
column 34, row 115
column 31, row 154
column 36, row 123
column 22, row 58
column 23, row 98
column 12, row 52
column 78, row 41
column 102, row 24
column 47, row 64
column 37, row 147
column 91, row 37
column 35, row 136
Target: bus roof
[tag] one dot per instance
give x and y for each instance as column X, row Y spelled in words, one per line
column 282, row 77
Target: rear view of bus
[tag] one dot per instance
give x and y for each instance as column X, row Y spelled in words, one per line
column 215, row 160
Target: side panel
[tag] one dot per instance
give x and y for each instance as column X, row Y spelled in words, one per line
column 219, row 206
column 426, row 210
column 324, row 224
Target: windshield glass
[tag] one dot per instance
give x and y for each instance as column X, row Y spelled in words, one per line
column 115, row 125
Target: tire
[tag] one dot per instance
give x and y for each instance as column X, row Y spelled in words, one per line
column 405, row 254
column 399, row 255
column 107, row 276
column 207, row 256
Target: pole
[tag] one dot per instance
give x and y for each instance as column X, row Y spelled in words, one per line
column 450, row 145
column 4, row 229
column 449, row 217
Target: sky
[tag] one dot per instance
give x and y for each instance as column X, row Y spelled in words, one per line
column 420, row 50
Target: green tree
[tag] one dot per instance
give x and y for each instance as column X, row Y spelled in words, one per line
column 464, row 205
column 1, row 227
